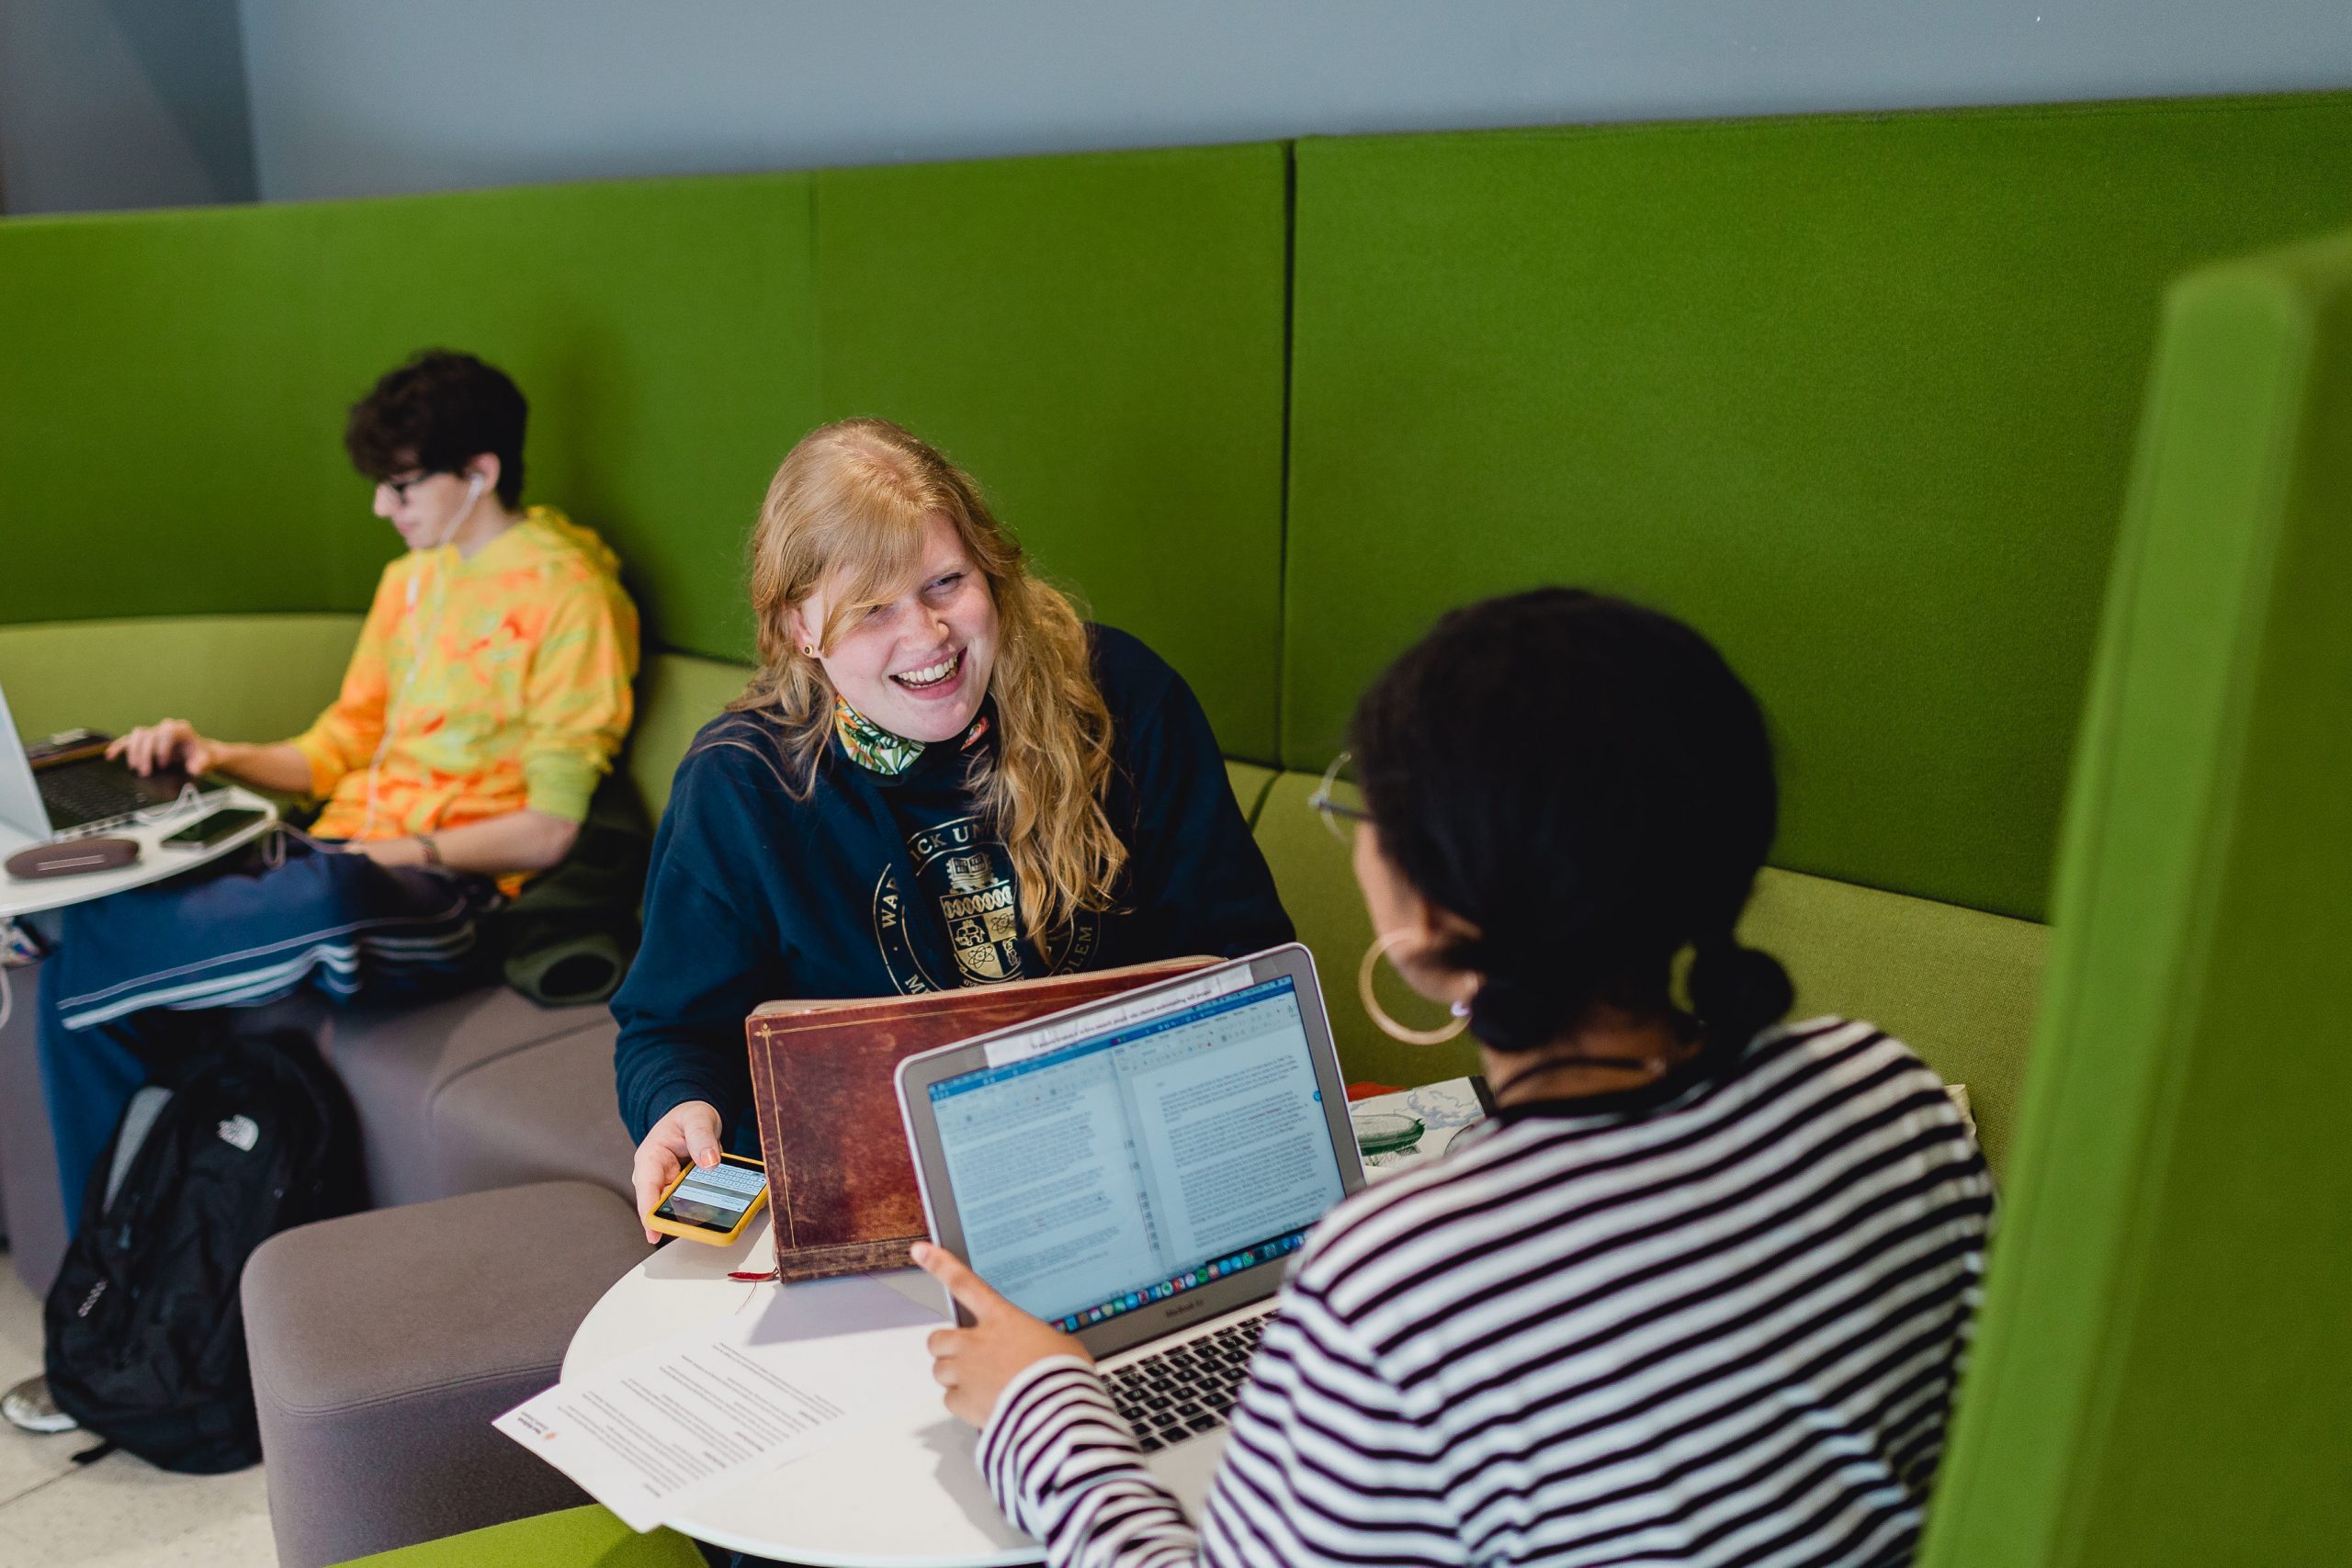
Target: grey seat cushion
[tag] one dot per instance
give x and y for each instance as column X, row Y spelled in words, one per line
column 542, row 1113
column 383, row 1344
column 398, row 1063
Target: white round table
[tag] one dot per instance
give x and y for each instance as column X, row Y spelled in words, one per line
column 885, row 1495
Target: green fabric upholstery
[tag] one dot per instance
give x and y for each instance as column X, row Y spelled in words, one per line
column 2164, row 1374
column 1099, row 339
column 1250, row 784
column 238, row 677
column 1853, row 394
column 577, row 1538
column 676, row 695
column 176, row 384
column 1955, row 984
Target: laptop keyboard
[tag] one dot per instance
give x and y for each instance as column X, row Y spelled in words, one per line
column 1186, row 1389
column 79, row 794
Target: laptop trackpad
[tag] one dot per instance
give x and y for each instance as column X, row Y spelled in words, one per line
column 1187, row 1469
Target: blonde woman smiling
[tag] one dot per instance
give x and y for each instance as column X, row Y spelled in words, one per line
column 940, row 776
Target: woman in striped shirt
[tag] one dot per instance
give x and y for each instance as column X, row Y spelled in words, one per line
column 1701, row 1294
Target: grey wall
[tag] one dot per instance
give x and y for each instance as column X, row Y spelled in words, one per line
column 352, row 98
column 131, row 102
column 122, row 103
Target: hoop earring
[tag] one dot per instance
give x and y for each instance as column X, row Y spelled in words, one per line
column 1389, row 1026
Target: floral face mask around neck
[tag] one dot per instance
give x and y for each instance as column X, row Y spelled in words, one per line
column 878, row 750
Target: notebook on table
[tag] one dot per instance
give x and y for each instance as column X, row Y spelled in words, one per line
column 840, row 1185
column 1139, row 1173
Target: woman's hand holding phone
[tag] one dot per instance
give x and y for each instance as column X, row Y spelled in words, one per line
column 687, row 1133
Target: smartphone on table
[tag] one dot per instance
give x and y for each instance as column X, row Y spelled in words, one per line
column 712, row 1205
column 207, row 831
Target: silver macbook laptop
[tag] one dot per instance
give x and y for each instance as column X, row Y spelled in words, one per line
column 75, row 790
column 1138, row 1171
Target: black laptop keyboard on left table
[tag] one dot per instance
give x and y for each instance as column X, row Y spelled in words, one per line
column 94, row 789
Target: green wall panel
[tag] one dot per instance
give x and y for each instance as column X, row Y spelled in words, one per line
column 664, row 330
column 175, row 384
column 156, row 383
column 1099, row 340
column 1854, row 394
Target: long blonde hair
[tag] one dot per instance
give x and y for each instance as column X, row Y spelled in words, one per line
column 850, row 501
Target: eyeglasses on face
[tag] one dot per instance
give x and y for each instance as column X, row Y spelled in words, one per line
column 399, row 487
column 1338, row 816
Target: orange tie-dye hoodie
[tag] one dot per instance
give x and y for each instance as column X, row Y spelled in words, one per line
column 488, row 685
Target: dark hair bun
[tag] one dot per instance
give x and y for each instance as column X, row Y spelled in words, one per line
column 1736, row 992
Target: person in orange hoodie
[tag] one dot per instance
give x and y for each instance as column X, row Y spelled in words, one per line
column 487, row 696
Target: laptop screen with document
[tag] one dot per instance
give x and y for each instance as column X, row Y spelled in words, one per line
column 1120, row 1168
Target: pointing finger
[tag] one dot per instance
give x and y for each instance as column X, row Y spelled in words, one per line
column 969, row 1288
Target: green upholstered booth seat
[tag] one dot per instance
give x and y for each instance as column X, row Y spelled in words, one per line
column 2164, row 1367
column 677, row 693
column 576, row 1538
column 1957, row 984
column 1251, row 784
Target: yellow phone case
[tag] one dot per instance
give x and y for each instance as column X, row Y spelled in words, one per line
column 657, row 1221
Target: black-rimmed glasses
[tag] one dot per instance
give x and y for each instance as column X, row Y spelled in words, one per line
column 399, row 487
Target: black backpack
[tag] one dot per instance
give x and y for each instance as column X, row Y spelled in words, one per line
column 146, row 1341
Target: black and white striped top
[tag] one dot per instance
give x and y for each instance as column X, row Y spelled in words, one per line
column 1722, row 1328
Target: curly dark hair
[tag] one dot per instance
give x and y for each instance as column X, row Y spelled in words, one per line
column 438, row 413
column 1589, row 784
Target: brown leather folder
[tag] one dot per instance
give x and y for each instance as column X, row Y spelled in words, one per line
column 824, row 1081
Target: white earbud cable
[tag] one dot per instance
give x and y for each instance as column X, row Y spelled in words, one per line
column 419, row 645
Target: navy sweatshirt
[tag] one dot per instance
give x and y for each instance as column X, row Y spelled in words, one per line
column 877, row 887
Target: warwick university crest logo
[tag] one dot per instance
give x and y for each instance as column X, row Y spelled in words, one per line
column 967, row 879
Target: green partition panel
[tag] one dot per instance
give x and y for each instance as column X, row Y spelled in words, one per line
column 2163, row 1371
column 1853, row 394
column 176, row 383
column 664, row 331
column 1099, row 340
column 158, row 421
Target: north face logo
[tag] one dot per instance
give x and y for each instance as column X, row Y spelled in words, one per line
column 241, row 1131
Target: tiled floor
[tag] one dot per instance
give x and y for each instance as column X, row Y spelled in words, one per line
column 119, row 1512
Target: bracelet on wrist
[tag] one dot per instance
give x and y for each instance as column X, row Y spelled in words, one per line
column 432, row 851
